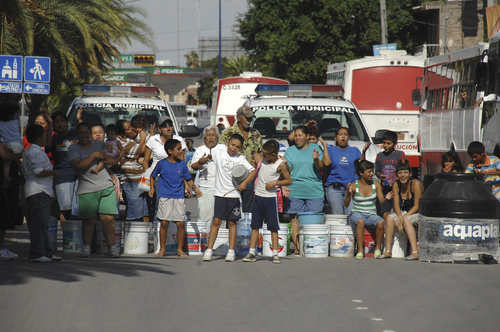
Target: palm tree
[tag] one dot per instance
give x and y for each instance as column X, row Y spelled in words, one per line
column 236, row 66
column 192, row 59
column 80, row 36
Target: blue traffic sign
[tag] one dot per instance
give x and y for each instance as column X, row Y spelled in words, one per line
column 11, row 68
column 7, row 87
column 41, row 89
column 37, row 69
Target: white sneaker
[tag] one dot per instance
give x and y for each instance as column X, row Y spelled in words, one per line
column 230, row 257
column 13, row 255
column 42, row 259
column 114, row 252
column 56, row 258
column 207, row 256
column 4, row 255
column 85, row 251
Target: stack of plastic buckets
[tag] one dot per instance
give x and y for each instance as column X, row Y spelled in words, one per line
column 196, row 238
column 313, row 234
column 72, row 236
column 341, row 236
column 135, row 237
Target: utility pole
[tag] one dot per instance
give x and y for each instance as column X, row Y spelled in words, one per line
column 383, row 22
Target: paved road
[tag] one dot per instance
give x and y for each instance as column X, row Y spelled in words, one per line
column 328, row 294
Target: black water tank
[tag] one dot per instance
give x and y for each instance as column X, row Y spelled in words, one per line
column 458, row 219
column 459, row 195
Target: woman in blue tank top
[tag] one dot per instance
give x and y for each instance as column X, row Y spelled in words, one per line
column 364, row 193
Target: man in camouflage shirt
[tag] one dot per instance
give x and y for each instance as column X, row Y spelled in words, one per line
column 252, row 148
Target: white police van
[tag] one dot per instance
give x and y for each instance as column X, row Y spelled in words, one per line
column 107, row 104
column 297, row 104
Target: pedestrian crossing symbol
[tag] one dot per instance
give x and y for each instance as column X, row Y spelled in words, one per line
column 37, row 69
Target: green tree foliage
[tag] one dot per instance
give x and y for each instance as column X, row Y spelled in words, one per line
column 192, row 59
column 236, row 66
column 79, row 36
column 298, row 38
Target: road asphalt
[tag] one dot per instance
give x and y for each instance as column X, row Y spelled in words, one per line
column 145, row 293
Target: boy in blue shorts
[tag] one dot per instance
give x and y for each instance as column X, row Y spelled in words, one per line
column 172, row 173
column 227, row 193
column 385, row 167
column 484, row 164
column 265, row 205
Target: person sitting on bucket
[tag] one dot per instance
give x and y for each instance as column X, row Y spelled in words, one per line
column 171, row 174
column 265, row 204
column 227, row 196
column 364, row 193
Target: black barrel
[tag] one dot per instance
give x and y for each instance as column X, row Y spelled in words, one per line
column 458, row 219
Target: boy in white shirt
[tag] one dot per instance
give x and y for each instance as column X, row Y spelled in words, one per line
column 38, row 190
column 227, row 193
column 265, row 205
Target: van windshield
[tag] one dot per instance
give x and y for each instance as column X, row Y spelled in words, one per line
column 279, row 121
column 110, row 113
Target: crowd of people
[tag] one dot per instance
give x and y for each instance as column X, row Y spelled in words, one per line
column 89, row 170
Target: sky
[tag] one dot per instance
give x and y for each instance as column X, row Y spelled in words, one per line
column 162, row 19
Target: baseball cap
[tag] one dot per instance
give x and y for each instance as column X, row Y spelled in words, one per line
column 246, row 111
column 164, row 119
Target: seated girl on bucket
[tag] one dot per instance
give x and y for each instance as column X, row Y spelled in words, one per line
column 407, row 192
column 364, row 193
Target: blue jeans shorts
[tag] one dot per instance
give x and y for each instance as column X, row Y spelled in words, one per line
column 65, row 193
column 371, row 220
column 295, row 205
column 336, row 197
column 138, row 201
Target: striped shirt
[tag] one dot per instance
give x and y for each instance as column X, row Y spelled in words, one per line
column 365, row 205
column 492, row 163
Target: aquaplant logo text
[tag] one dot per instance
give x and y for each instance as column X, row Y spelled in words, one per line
column 469, row 231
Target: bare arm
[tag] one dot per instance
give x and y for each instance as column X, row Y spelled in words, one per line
column 147, row 157
column 79, row 165
column 383, row 200
column 152, row 184
column 7, row 155
column 318, row 164
column 363, row 152
column 245, row 183
column 196, row 190
column 48, row 142
column 327, row 161
column 351, row 191
column 53, row 173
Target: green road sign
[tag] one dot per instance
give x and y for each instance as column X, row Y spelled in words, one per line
column 125, row 58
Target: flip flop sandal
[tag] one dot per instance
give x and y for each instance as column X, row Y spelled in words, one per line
column 383, row 256
column 412, row 258
column 360, row 255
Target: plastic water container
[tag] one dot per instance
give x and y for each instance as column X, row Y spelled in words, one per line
column 315, row 241
column 267, row 244
column 336, row 219
column 370, row 241
column 311, row 218
column 171, row 243
column 102, row 246
column 72, row 236
column 458, row 219
column 341, row 241
column 196, row 238
column 399, row 245
column 244, row 230
column 135, row 237
column 221, row 245
column 52, row 232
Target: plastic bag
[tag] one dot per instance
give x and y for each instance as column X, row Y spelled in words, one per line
column 145, row 181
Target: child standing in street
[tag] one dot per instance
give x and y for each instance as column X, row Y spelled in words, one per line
column 172, row 172
column 227, row 193
column 10, row 132
column 385, row 166
column 38, row 190
column 265, row 205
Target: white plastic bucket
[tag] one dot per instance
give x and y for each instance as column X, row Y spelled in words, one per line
column 267, row 244
column 171, row 243
column 399, row 245
column 72, row 236
column 221, row 244
column 52, row 232
column 100, row 240
column 239, row 173
column 336, row 219
column 196, row 237
column 135, row 237
column 341, row 241
column 315, row 241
